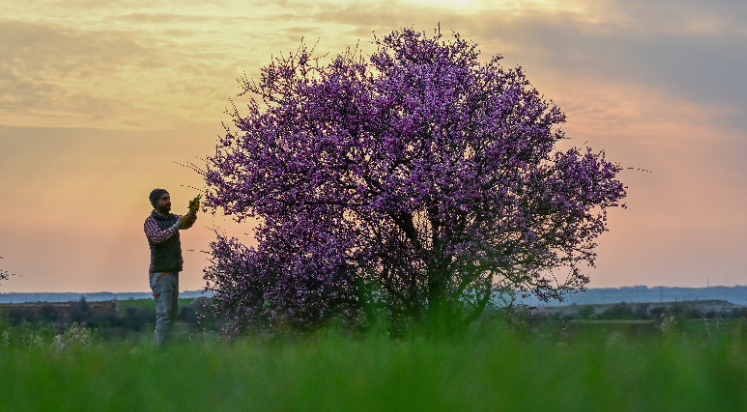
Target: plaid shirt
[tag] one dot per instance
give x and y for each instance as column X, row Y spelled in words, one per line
column 158, row 236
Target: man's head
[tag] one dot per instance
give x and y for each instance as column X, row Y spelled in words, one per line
column 160, row 200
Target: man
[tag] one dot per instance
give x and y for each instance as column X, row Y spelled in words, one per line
column 162, row 229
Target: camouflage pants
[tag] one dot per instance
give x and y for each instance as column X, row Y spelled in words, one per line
column 165, row 288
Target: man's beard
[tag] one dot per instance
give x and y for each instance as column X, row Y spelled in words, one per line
column 164, row 209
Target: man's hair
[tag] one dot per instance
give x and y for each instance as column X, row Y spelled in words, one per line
column 155, row 195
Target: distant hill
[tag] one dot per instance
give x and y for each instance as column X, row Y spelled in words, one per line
column 736, row 294
column 91, row 297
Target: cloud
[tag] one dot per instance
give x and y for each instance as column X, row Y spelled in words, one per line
column 154, row 65
column 692, row 51
column 701, row 68
column 655, row 83
column 163, row 18
column 48, row 70
column 105, row 78
column 695, row 50
column 683, row 17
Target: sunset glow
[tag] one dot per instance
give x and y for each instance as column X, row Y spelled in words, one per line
column 100, row 100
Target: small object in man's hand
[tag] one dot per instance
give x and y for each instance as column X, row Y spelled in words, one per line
column 194, row 204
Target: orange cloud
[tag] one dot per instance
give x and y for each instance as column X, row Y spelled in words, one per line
column 95, row 107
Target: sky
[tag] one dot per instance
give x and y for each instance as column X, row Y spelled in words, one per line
column 103, row 100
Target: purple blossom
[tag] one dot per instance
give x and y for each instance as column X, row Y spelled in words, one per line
column 399, row 189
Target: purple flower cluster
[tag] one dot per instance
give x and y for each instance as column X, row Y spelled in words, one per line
column 399, row 188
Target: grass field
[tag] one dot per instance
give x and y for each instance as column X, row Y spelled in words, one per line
column 496, row 371
column 147, row 303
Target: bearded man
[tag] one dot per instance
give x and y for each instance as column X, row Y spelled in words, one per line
column 162, row 229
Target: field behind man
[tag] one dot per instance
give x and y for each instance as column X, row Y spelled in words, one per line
column 611, row 358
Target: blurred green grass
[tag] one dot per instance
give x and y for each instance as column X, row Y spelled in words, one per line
column 498, row 371
column 146, row 303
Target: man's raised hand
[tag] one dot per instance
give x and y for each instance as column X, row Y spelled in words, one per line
column 181, row 221
column 194, row 204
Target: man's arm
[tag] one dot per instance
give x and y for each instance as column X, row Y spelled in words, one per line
column 155, row 234
column 188, row 221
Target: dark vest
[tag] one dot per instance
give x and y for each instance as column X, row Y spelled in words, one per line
column 167, row 256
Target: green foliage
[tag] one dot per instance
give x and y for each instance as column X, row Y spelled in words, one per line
column 75, row 337
column 146, row 303
column 113, row 319
column 493, row 371
column 23, row 336
column 619, row 311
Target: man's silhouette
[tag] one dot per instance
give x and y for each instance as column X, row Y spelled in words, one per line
column 162, row 229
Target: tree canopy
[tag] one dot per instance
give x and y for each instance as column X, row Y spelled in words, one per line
column 398, row 189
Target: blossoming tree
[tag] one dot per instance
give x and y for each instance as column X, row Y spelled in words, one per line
column 398, row 190
column 3, row 273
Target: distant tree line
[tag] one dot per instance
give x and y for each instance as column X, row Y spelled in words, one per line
column 113, row 320
column 681, row 311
